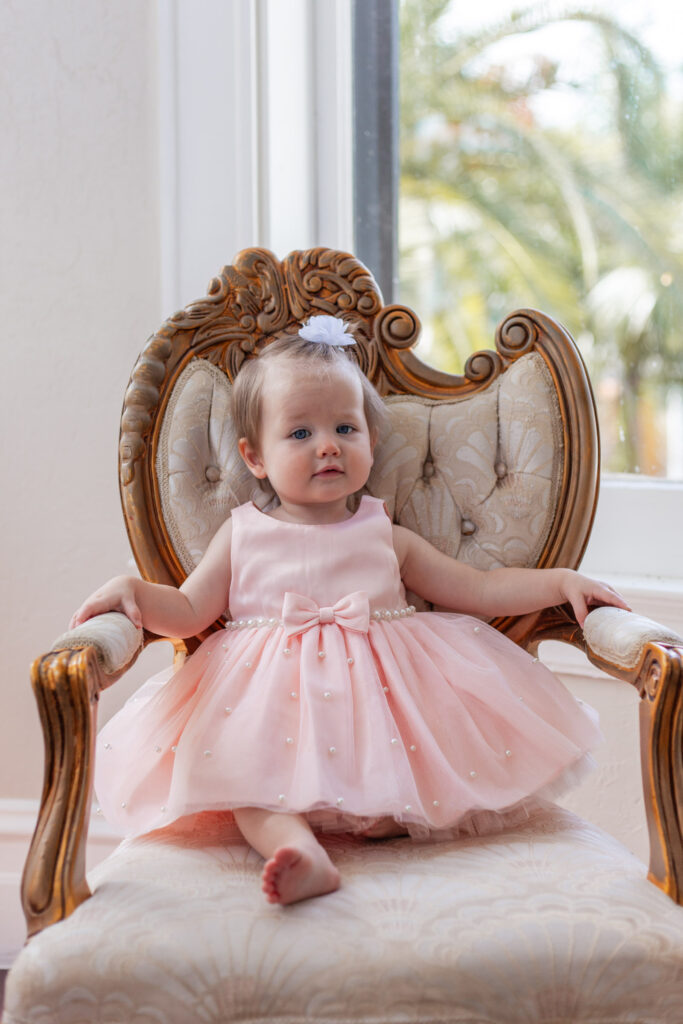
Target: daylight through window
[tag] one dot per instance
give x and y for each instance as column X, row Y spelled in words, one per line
column 541, row 160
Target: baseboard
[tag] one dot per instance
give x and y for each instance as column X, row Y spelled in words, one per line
column 17, row 821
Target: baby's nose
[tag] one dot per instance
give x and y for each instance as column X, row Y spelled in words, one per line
column 329, row 445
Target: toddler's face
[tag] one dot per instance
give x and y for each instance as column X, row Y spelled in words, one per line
column 314, row 445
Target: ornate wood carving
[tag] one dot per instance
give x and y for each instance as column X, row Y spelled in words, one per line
column 259, row 297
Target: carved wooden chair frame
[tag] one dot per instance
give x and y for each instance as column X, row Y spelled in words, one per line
column 252, row 300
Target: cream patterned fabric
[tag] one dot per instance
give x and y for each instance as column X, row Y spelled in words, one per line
column 115, row 639
column 480, row 475
column 619, row 636
column 554, row 922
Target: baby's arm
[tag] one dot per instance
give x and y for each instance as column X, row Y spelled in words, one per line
column 166, row 610
column 452, row 584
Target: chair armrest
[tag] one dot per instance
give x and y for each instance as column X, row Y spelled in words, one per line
column 115, row 639
column 619, row 638
column 67, row 682
column 650, row 657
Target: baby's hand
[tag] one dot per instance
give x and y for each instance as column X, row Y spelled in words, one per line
column 581, row 592
column 118, row 595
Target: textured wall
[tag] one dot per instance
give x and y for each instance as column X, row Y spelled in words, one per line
column 80, row 293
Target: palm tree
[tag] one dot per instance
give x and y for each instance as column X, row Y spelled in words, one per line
column 505, row 210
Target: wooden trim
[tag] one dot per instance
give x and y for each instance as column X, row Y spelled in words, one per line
column 658, row 677
column 66, row 685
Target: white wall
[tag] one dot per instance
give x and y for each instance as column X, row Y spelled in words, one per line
column 80, row 293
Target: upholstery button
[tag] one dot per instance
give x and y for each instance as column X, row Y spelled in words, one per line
column 501, row 470
column 212, row 474
column 467, row 527
column 428, row 470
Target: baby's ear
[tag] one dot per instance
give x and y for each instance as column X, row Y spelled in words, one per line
column 252, row 458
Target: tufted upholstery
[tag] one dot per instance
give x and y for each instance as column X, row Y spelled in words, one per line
column 552, row 922
column 477, row 476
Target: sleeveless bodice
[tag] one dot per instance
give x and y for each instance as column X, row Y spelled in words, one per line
column 324, row 562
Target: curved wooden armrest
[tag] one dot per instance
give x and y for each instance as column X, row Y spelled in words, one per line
column 115, row 639
column 67, row 684
column 655, row 668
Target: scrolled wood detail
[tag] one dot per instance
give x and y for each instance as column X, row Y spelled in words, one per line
column 329, row 281
column 65, row 684
column 650, row 679
column 660, row 681
column 516, row 336
column 483, row 367
column 397, row 327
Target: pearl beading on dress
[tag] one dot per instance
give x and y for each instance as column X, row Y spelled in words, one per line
column 260, row 622
column 379, row 614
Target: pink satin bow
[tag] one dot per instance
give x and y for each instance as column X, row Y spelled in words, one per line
column 299, row 613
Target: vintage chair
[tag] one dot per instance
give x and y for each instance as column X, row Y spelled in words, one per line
column 553, row 921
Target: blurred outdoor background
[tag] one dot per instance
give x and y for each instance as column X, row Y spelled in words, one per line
column 542, row 165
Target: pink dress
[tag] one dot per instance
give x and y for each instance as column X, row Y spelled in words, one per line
column 327, row 695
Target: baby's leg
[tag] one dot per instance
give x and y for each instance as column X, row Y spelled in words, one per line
column 384, row 828
column 297, row 866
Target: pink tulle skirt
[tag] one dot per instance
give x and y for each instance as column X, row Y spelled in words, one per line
column 437, row 721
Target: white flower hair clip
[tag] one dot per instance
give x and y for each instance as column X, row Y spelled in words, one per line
column 328, row 330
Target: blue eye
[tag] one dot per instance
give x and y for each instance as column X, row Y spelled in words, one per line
column 344, row 428
column 300, row 433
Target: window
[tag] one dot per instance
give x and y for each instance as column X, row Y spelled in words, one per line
column 541, row 164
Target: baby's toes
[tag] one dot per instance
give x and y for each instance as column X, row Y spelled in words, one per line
column 269, row 879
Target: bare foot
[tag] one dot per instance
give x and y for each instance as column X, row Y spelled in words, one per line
column 294, row 873
column 385, row 828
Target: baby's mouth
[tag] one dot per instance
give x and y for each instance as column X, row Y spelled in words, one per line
column 329, row 471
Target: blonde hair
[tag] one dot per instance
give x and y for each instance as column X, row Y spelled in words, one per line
column 247, row 388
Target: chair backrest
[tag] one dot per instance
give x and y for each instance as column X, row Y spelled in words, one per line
column 498, row 466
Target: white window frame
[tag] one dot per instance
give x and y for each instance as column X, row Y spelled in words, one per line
column 255, row 133
column 256, row 148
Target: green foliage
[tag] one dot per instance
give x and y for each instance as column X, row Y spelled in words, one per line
column 501, row 209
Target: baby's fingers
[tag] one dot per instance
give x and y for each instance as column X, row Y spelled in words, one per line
column 604, row 594
column 80, row 615
column 85, row 612
column 580, row 608
column 131, row 609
